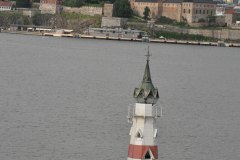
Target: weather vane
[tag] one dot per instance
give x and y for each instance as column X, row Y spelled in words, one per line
column 148, row 54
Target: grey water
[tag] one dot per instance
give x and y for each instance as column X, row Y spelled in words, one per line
column 67, row 99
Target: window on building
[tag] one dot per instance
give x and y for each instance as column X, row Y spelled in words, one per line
column 203, row 11
column 189, row 11
column 211, row 12
column 184, row 11
column 196, row 11
column 207, row 11
column 200, row 11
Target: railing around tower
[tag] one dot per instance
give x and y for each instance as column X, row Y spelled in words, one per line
column 155, row 112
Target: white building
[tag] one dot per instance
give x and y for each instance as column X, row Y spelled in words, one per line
column 6, row 6
column 143, row 115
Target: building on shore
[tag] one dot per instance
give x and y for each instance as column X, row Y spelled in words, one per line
column 231, row 16
column 6, row 6
column 50, row 6
column 190, row 11
column 155, row 6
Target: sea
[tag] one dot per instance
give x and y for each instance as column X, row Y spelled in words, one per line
column 67, row 99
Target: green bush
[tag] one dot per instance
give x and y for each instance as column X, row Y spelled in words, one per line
column 201, row 20
column 73, row 3
column 23, row 3
column 166, row 20
column 146, row 13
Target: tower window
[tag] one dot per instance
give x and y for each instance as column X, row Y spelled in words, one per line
column 139, row 134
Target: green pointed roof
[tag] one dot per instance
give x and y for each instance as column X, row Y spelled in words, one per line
column 146, row 93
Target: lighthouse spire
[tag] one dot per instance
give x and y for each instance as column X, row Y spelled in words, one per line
column 147, row 75
column 146, row 93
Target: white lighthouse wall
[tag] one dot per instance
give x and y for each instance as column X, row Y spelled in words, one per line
column 138, row 124
column 149, row 131
column 143, row 120
column 142, row 109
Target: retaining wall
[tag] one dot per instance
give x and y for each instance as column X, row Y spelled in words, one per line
column 84, row 10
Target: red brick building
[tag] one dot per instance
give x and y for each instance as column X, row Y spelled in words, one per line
column 191, row 11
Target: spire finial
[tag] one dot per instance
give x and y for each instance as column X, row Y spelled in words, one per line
column 148, row 54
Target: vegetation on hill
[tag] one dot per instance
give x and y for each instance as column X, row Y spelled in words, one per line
column 169, row 21
column 23, row 3
column 75, row 21
column 78, row 3
column 146, row 13
column 13, row 18
column 122, row 8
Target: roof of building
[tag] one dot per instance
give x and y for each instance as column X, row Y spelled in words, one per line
column 6, row 3
column 148, row 1
column 146, row 93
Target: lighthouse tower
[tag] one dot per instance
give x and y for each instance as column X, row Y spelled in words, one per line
column 143, row 115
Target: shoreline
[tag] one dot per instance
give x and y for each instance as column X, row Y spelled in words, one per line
column 150, row 40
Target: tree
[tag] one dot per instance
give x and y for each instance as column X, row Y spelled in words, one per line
column 146, row 13
column 23, row 3
column 122, row 8
column 73, row 3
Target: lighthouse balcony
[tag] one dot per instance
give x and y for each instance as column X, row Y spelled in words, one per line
column 143, row 110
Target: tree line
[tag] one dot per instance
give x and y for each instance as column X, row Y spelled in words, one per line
column 121, row 8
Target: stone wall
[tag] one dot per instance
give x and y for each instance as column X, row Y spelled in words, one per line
column 220, row 34
column 49, row 8
column 108, row 10
column 30, row 12
column 84, row 10
column 113, row 22
column 172, row 10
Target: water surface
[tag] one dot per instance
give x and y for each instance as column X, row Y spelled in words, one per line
column 67, row 99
